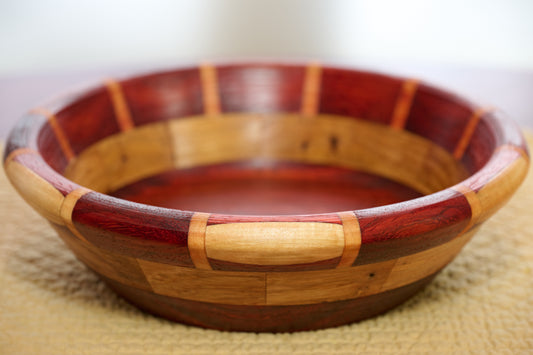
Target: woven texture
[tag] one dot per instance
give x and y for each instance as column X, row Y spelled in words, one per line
column 51, row 304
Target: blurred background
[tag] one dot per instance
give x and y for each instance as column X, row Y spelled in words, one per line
column 480, row 48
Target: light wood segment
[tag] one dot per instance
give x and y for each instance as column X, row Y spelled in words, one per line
column 324, row 139
column 226, row 287
column 352, row 239
column 308, row 287
column 496, row 192
column 68, row 206
column 123, row 158
column 274, row 243
column 468, row 132
column 60, row 135
column 196, row 240
column 208, row 75
column 403, row 104
column 414, row 267
column 120, row 106
column 36, row 191
column 311, row 90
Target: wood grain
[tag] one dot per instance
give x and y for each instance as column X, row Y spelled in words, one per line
column 60, row 135
column 352, row 239
column 311, row 90
column 403, row 104
column 274, row 243
column 123, row 158
column 120, row 106
column 210, row 90
column 196, row 240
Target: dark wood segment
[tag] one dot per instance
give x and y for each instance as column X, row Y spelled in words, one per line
column 22, row 136
column 164, row 96
column 230, row 266
column 267, row 318
column 481, row 146
column 389, row 233
column 264, row 188
column 357, row 94
column 110, row 265
column 439, row 116
column 50, row 148
column 260, row 87
column 125, row 228
column 88, row 119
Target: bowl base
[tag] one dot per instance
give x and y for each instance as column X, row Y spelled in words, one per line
column 258, row 189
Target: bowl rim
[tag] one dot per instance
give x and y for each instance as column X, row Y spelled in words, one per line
column 510, row 147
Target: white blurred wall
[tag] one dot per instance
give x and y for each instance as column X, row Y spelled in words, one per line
column 50, row 35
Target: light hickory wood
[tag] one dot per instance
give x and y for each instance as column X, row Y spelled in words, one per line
column 495, row 193
column 123, row 158
column 414, row 267
column 60, row 135
column 352, row 239
column 196, row 240
column 274, row 243
column 401, row 156
column 307, row 287
column 311, row 90
column 36, row 191
column 120, row 106
column 404, row 103
column 189, row 142
column 211, row 96
column 226, row 287
column 68, row 206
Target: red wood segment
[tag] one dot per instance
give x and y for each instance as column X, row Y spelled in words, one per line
column 266, row 188
column 359, row 94
column 260, row 88
column 439, row 116
column 389, row 233
column 163, row 96
column 22, row 135
column 268, row 318
column 88, row 119
column 50, row 148
column 481, row 146
column 502, row 157
column 122, row 227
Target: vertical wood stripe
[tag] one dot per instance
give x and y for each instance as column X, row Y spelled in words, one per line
column 352, row 239
column 210, row 92
column 68, row 206
column 58, row 132
column 403, row 104
column 473, row 201
column 468, row 132
column 120, row 106
column 311, row 90
column 196, row 240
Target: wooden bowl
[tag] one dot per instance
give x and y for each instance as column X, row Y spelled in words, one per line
column 265, row 197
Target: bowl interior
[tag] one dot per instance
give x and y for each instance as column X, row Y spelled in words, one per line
column 267, row 139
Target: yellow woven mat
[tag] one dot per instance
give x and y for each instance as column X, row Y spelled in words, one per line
column 51, row 304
